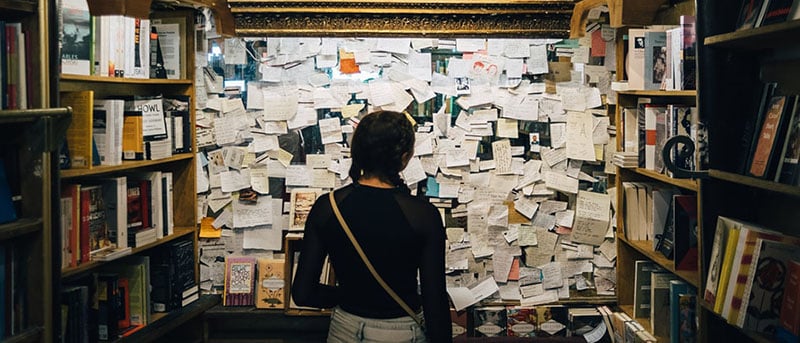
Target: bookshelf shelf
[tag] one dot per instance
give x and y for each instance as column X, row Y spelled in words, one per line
column 19, row 6
column 170, row 321
column 33, row 334
column 688, row 184
column 753, row 336
column 764, row 37
column 91, row 265
column 19, row 228
column 646, row 248
column 124, row 80
column 659, row 93
column 125, row 166
column 755, row 182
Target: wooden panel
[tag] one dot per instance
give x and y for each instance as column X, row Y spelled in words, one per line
column 125, row 166
column 770, row 36
column 20, row 228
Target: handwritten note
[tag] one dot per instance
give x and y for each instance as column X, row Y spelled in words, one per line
column 591, row 219
column 501, row 152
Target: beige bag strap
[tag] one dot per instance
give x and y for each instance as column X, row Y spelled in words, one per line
column 368, row 263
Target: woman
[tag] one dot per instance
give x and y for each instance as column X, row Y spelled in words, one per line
column 399, row 234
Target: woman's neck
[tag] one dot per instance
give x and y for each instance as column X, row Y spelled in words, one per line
column 373, row 181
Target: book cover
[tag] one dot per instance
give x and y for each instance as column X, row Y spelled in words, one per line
column 734, row 242
column 676, row 289
column 239, row 281
column 115, row 200
column 76, row 38
column 490, row 321
column 271, row 284
column 655, row 59
column 660, row 303
column 176, row 111
column 79, row 132
column 651, row 114
column 777, row 11
column 99, row 238
column 641, row 296
column 688, row 61
column 301, row 201
column 790, row 305
column 132, row 136
column 167, row 203
column 685, row 236
column 108, row 311
column 761, row 313
column 721, row 235
column 641, row 122
column 636, row 58
column 134, row 206
column 751, row 13
column 552, row 321
column 687, row 330
column 586, row 322
column 110, row 127
column 137, row 47
column 662, row 134
column 788, row 171
column 458, row 320
column 123, row 304
column 763, row 157
column 521, row 321
column 154, row 126
column 618, row 321
column 73, row 191
column 170, row 33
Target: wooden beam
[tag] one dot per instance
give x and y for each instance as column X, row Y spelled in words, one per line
column 580, row 14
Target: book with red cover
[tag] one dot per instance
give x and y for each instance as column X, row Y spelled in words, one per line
column 763, row 157
column 84, row 244
column 790, row 309
column 777, row 11
column 239, row 281
column 459, row 319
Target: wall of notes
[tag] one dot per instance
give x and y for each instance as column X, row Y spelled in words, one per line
column 512, row 145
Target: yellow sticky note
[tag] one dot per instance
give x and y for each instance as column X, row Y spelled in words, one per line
column 207, row 230
column 352, row 110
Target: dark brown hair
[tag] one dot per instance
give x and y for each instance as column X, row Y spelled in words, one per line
column 378, row 145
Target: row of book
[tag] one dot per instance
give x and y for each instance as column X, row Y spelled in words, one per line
column 772, row 138
column 666, row 300
column 103, row 218
column 647, row 129
column 757, row 13
column 661, row 214
column 663, row 57
column 115, row 45
column 108, row 131
column 127, row 293
column 753, row 278
column 13, row 64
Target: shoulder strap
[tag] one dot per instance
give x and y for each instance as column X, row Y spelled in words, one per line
column 364, row 258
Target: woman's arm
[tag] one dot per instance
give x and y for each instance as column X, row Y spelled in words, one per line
column 306, row 288
column 435, row 301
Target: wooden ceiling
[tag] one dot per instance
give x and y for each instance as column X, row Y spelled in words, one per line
column 434, row 18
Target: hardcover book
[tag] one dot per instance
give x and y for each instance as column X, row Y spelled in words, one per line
column 79, row 132
column 723, row 232
column 76, row 37
column 660, row 303
column 788, row 171
column 677, row 288
column 655, row 59
column 764, row 156
column 271, row 284
column 777, row 11
column 490, row 321
column 458, row 319
column 521, row 321
column 765, row 285
column 552, row 321
column 751, row 13
column 790, row 306
column 239, row 281
column 642, row 279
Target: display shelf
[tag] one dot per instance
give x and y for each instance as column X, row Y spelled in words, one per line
column 125, row 166
column 753, row 336
column 19, row 228
column 165, row 323
column 33, row 334
column 688, row 184
column 659, row 93
column 124, row 80
column 87, row 266
column 755, row 182
column 758, row 38
column 646, row 248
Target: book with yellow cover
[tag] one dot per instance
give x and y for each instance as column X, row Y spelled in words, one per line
column 271, row 283
column 79, row 132
column 725, row 268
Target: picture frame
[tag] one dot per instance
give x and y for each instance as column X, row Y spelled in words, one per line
column 300, row 203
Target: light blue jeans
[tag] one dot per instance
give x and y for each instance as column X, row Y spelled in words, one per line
column 348, row 328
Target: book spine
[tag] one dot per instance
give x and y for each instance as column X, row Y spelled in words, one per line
column 790, row 309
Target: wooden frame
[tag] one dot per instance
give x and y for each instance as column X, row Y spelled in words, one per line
column 439, row 18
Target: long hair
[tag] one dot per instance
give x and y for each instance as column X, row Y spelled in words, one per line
column 378, row 145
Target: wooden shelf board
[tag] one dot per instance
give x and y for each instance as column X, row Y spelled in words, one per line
column 31, row 335
column 646, row 249
column 754, row 336
column 297, row 312
column 689, row 184
column 105, row 79
column 220, row 311
column 573, row 300
column 687, row 93
column 178, row 233
column 125, row 166
column 164, row 323
column 755, row 182
column 19, row 227
column 770, row 36
column 19, row 6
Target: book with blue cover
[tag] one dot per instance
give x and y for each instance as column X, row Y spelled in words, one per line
column 7, row 211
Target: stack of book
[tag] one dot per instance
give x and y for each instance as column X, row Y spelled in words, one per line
column 624, row 159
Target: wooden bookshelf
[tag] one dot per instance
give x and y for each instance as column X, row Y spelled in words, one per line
column 163, row 324
column 646, row 248
column 688, row 184
column 22, row 6
column 659, row 93
column 125, row 166
column 19, row 228
column 757, row 38
column 753, row 182
column 628, row 309
column 124, row 80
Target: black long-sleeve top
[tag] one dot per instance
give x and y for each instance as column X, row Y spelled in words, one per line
column 400, row 234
